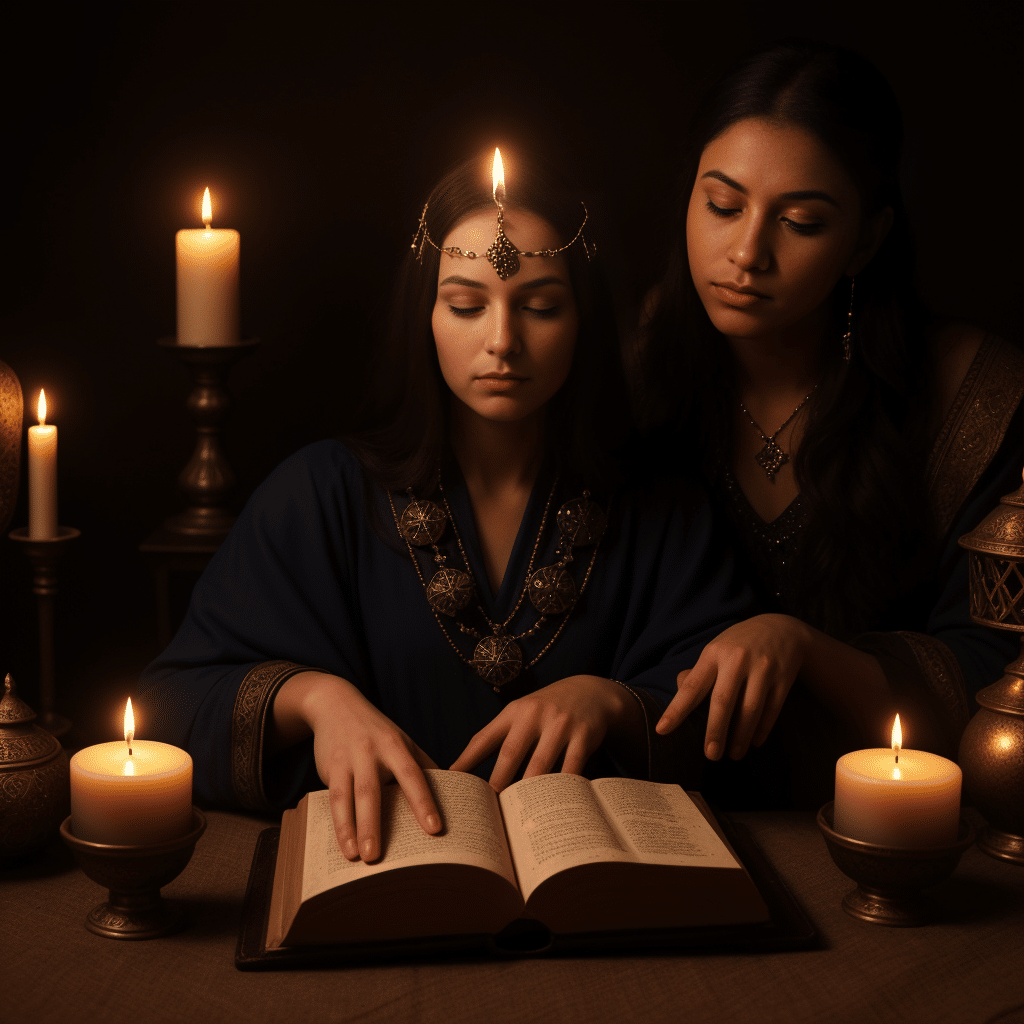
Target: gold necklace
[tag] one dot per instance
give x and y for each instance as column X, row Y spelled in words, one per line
column 498, row 659
column 771, row 458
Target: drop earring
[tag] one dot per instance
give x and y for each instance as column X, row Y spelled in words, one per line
column 849, row 325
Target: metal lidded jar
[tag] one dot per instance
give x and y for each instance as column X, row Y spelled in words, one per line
column 35, row 784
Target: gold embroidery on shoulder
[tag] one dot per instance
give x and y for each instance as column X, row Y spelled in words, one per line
column 974, row 428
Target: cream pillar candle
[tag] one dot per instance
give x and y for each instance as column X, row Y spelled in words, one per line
column 207, row 262
column 42, row 477
column 910, row 802
column 131, row 792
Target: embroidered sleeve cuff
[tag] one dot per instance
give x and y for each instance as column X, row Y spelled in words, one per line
column 926, row 677
column 248, row 725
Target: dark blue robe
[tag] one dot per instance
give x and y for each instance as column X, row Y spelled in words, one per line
column 314, row 574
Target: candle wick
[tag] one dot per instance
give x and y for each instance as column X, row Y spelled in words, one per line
column 130, row 752
column 897, row 757
column 207, row 223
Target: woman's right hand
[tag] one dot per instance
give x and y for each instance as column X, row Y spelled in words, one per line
column 357, row 749
column 749, row 670
column 751, row 667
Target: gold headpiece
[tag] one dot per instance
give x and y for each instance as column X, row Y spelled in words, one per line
column 502, row 254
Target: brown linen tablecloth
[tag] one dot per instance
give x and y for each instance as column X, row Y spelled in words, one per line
column 968, row 969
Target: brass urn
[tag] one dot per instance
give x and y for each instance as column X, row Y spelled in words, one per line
column 992, row 748
column 10, row 443
column 35, row 781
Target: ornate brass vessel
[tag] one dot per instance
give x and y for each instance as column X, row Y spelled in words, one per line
column 10, row 443
column 35, row 781
column 992, row 747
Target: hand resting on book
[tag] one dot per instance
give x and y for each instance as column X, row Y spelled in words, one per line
column 357, row 748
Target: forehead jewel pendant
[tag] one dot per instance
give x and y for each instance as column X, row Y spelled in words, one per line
column 502, row 253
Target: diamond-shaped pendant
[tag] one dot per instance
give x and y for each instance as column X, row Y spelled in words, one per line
column 771, row 458
column 503, row 256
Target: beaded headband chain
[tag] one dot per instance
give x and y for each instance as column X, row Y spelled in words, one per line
column 502, row 254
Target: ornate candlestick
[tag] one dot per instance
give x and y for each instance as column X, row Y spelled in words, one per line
column 45, row 556
column 207, row 479
column 992, row 747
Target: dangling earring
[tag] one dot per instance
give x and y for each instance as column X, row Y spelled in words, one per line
column 849, row 325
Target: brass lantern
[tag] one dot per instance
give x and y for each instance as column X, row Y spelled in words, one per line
column 992, row 748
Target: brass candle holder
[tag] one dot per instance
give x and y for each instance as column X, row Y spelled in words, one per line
column 992, row 747
column 44, row 557
column 207, row 479
column 135, row 875
column 890, row 878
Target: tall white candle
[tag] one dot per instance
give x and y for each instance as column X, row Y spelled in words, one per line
column 207, row 262
column 131, row 793
column 42, row 477
column 897, row 797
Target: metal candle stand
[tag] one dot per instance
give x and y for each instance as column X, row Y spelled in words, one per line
column 45, row 556
column 207, row 479
column 186, row 542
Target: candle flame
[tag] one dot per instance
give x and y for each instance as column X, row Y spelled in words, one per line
column 129, row 725
column 41, row 408
column 207, row 208
column 897, row 739
column 497, row 174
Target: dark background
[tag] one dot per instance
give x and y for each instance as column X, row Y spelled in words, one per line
column 319, row 129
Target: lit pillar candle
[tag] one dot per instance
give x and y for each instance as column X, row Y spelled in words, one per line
column 42, row 477
column 131, row 793
column 897, row 797
column 207, row 261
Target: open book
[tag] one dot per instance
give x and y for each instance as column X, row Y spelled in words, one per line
column 576, row 855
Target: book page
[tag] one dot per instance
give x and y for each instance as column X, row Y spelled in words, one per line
column 473, row 834
column 554, row 822
column 661, row 824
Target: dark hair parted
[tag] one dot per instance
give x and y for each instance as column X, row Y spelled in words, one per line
column 587, row 418
column 860, row 464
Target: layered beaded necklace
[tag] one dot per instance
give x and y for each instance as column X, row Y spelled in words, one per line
column 498, row 658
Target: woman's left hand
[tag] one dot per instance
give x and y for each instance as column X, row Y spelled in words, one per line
column 566, row 721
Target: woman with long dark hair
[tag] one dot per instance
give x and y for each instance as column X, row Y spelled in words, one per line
column 475, row 584
column 848, row 442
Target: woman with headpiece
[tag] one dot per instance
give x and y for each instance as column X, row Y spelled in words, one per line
column 477, row 585
column 848, row 444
